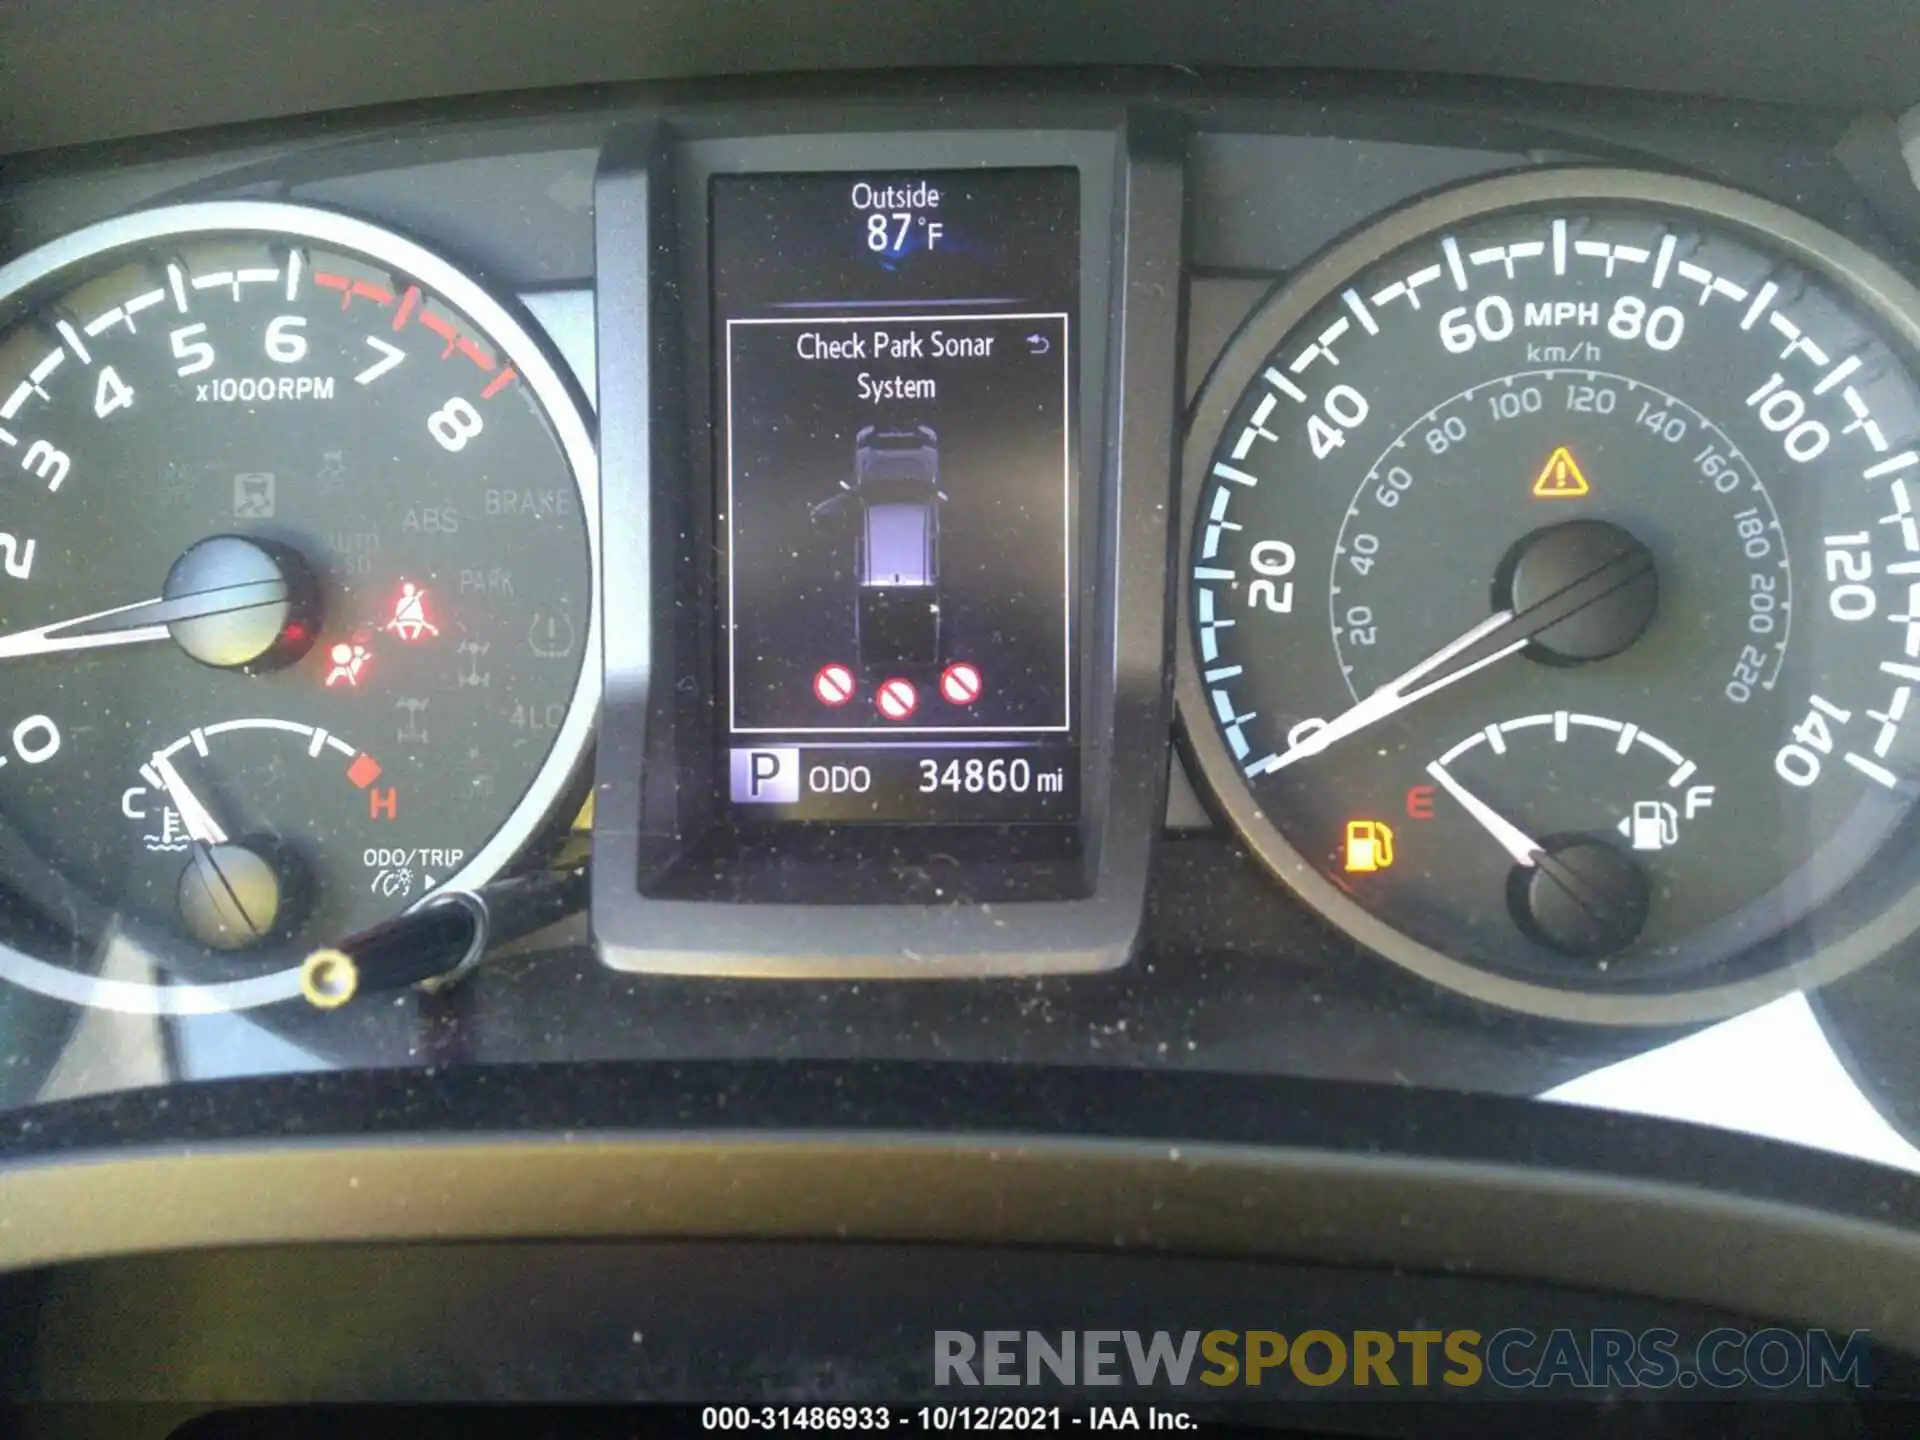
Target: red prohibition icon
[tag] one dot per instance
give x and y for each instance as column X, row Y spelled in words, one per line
column 897, row 699
column 833, row 685
column 960, row 683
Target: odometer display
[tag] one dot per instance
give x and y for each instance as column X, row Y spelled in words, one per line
column 1553, row 562
column 297, row 605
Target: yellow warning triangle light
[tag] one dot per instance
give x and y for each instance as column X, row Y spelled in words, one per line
column 1560, row 479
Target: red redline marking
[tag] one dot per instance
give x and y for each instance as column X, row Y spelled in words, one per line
column 409, row 302
column 350, row 289
column 364, row 771
column 443, row 328
column 335, row 282
column 474, row 353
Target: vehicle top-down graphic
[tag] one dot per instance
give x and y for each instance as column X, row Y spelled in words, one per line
column 893, row 503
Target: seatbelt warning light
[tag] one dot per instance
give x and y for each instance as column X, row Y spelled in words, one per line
column 410, row 620
column 1369, row 846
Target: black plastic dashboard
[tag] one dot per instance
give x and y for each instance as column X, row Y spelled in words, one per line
column 1115, row 898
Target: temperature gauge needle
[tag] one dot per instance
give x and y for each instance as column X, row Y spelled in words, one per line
column 1525, row 850
column 230, row 897
column 200, row 825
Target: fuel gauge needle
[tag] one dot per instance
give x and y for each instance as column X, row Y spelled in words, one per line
column 1525, row 850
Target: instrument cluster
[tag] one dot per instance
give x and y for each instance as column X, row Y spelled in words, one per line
column 651, row 580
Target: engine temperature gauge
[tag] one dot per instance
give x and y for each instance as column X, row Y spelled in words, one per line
column 231, row 813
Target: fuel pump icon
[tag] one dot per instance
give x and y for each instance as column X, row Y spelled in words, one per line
column 1653, row 825
column 1369, row 846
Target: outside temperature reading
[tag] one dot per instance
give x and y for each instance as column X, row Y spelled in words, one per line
column 899, row 217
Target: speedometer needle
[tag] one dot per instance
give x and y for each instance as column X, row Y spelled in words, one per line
column 1402, row 691
column 1493, row 639
column 141, row 622
column 1525, row 850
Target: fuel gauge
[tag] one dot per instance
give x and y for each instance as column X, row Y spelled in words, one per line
column 1582, row 882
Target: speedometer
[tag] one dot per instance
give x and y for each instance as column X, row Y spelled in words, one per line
column 296, row 598
column 1552, row 605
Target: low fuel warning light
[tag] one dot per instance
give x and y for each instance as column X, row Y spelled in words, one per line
column 1369, row 846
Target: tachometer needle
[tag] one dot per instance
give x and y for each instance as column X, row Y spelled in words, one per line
column 142, row 622
column 198, row 821
column 1525, row 850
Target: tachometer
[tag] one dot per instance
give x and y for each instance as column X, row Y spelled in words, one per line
column 297, row 599
column 1552, row 616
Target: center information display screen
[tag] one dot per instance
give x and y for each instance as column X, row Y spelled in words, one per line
column 898, row 495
